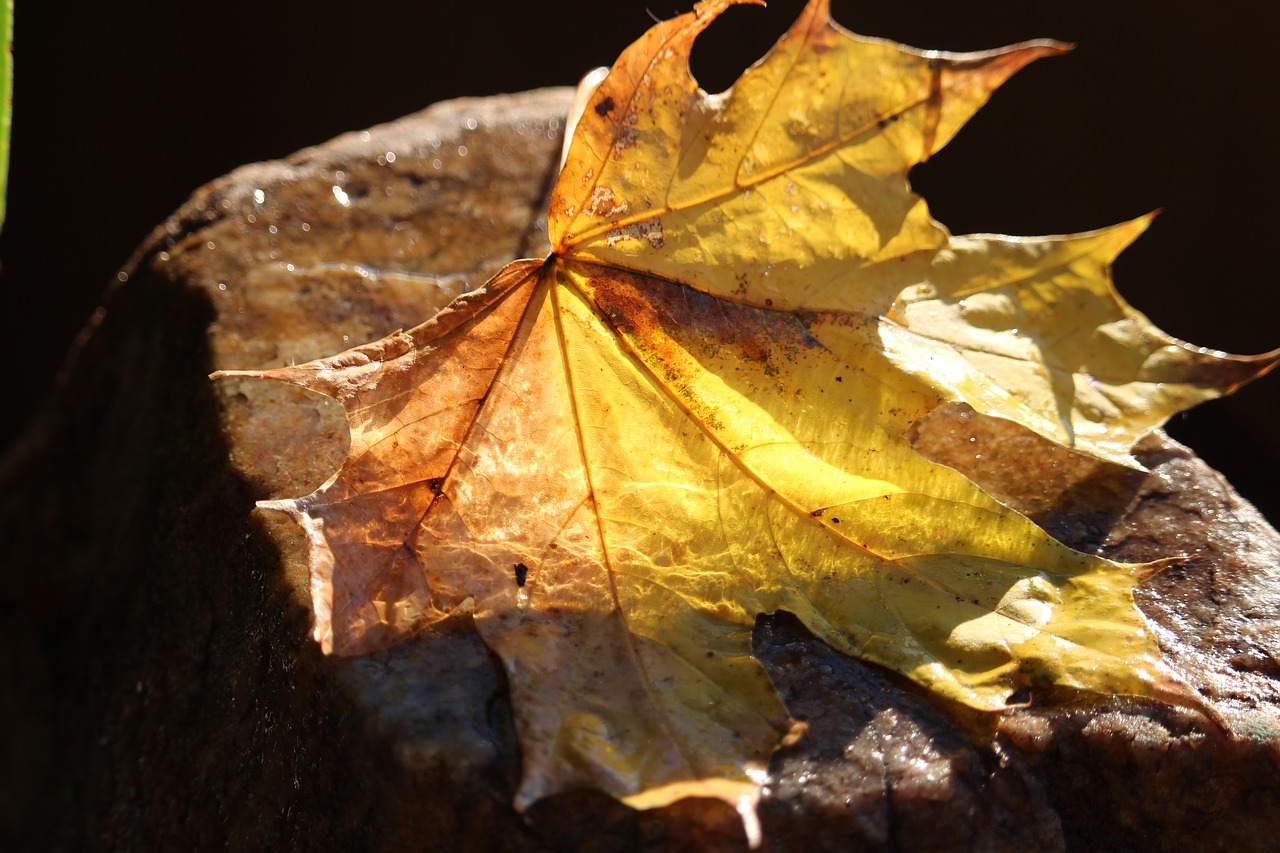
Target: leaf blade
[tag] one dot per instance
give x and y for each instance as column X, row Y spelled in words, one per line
column 694, row 412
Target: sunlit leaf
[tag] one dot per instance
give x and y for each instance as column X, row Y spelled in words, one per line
column 693, row 412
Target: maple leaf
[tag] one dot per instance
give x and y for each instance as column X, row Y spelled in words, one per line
column 693, row 412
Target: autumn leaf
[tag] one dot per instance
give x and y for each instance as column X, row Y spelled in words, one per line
column 693, row 412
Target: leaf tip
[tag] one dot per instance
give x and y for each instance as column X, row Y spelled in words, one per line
column 742, row 795
column 1146, row 571
column 1109, row 242
column 1169, row 687
column 1255, row 366
column 715, row 7
column 1002, row 63
column 236, row 374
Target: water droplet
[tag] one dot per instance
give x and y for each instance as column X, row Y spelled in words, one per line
column 306, row 226
column 122, row 276
column 471, row 124
column 259, row 196
column 391, row 156
column 436, row 164
column 222, row 285
column 272, row 229
column 364, row 136
column 340, row 194
column 344, row 339
column 462, row 151
column 211, row 245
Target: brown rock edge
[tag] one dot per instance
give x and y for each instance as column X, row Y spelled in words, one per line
column 161, row 691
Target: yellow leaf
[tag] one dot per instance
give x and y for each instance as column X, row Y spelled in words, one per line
column 693, row 412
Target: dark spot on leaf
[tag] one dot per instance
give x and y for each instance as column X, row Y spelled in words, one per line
column 817, row 513
column 522, row 572
column 835, row 520
column 435, row 484
column 603, row 108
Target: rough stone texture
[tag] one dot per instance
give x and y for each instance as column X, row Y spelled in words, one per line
column 163, row 693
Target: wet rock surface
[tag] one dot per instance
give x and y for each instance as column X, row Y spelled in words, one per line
column 166, row 692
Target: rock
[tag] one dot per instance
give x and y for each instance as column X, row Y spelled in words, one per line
column 171, row 695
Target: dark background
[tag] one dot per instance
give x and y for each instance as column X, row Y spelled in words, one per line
column 122, row 109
